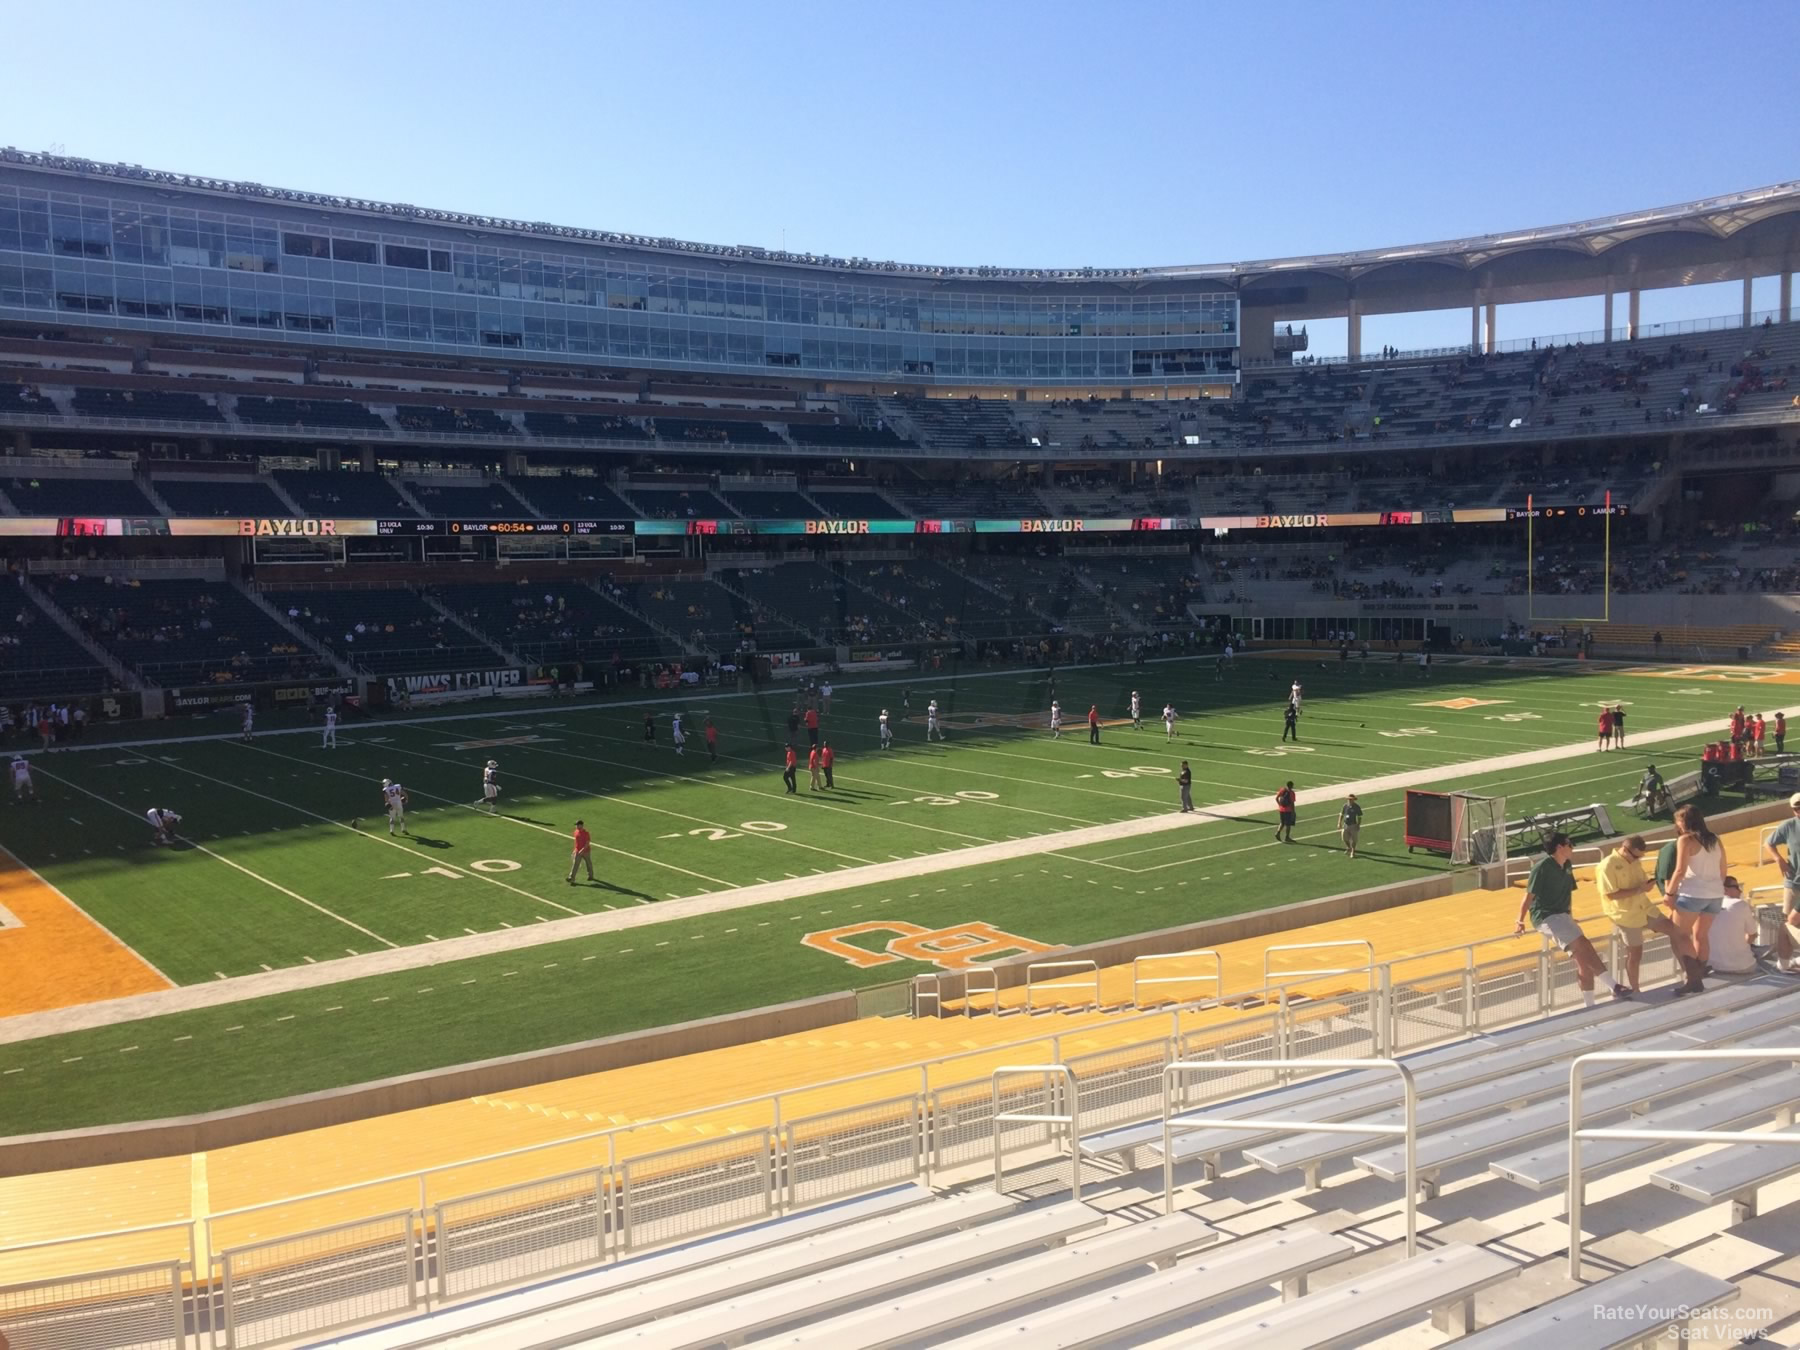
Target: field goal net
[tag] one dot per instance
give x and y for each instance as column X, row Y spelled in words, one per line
column 1477, row 829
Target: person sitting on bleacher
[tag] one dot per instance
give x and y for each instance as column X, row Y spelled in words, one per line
column 1733, row 932
column 1549, row 900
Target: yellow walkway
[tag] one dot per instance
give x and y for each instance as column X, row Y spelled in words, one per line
column 264, row 1173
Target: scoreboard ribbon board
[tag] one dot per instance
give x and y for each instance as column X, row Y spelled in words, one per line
column 310, row 527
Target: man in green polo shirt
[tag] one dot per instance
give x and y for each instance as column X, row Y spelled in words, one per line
column 1549, row 900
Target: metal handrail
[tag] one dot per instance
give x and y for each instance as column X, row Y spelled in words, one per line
column 1577, row 1133
column 1408, row 1129
column 1292, row 975
column 992, row 987
column 1217, row 977
column 1072, row 1096
column 1036, row 966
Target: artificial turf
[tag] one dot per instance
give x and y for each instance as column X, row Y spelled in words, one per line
column 290, row 863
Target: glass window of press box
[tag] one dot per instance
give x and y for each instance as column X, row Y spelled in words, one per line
column 84, row 259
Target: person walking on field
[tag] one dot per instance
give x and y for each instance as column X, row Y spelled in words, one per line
column 583, row 855
column 1137, row 712
column 1781, row 733
column 1169, row 720
column 1618, row 728
column 1185, row 781
column 1606, row 729
column 1628, row 900
column 814, row 765
column 1093, row 724
column 1696, row 890
column 712, row 742
column 1284, row 809
column 789, row 769
column 1350, row 823
column 1290, row 723
column 812, row 727
column 1549, row 902
column 825, row 761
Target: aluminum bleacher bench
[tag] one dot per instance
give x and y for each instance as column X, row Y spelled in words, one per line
column 1443, row 1283
column 692, row 1284
column 1351, row 1092
column 1285, row 1257
column 705, row 1254
column 1633, row 1306
column 1733, row 1173
column 1548, row 823
column 731, row 1318
column 1546, row 1167
column 1062, row 1272
column 1613, row 1096
column 1440, row 1106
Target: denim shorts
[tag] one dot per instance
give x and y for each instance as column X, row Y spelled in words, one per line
column 1689, row 904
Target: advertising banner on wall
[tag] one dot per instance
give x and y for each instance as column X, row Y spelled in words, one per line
column 456, row 682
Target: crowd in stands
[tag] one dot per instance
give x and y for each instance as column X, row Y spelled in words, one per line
column 184, row 632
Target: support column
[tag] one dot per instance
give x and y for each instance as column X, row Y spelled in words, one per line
column 1492, row 337
column 1475, row 327
column 1353, row 333
column 1748, row 309
column 367, row 454
column 1606, row 323
column 1786, row 303
column 1631, row 314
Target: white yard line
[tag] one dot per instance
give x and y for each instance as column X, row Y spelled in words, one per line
column 365, row 834
column 90, row 1015
column 511, row 820
column 613, row 798
column 220, row 857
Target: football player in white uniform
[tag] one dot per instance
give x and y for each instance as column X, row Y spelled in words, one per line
column 1137, row 712
column 887, row 732
column 393, row 796
column 330, row 741
column 679, row 734
column 1055, row 720
column 21, row 779
column 1169, row 719
column 933, row 732
column 490, row 786
column 163, row 822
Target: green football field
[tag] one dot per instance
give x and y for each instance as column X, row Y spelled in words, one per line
column 285, row 857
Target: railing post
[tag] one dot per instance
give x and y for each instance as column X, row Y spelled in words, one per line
column 1577, row 1189
column 1543, row 981
column 1384, row 1010
column 1471, row 1015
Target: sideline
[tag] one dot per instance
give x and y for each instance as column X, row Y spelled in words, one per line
column 292, row 979
column 498, row 708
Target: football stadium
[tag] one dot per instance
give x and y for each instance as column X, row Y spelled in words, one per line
column 571, row 787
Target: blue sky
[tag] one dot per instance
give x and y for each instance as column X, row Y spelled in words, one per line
column 987, row 131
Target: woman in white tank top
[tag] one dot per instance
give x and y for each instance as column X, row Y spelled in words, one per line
column 1697, row 886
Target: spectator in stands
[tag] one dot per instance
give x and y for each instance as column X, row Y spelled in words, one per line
column 1626, row 900
column 1549, row 902
column 1733, row 933
column 1696, row 890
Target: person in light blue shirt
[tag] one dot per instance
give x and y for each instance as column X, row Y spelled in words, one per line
column 1784, row 848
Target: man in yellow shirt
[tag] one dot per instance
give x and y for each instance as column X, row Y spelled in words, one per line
column 1627, row 898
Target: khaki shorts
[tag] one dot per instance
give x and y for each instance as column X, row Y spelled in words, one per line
column 1632, row 937
column 1561, row 929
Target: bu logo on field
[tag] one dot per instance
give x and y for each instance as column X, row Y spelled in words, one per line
column 957, row 947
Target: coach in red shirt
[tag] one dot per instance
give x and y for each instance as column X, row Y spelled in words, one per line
column 1284, row 806
column 787, row 772
column 583, row 856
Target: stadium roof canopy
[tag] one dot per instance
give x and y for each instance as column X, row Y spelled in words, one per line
column 1750, row 233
